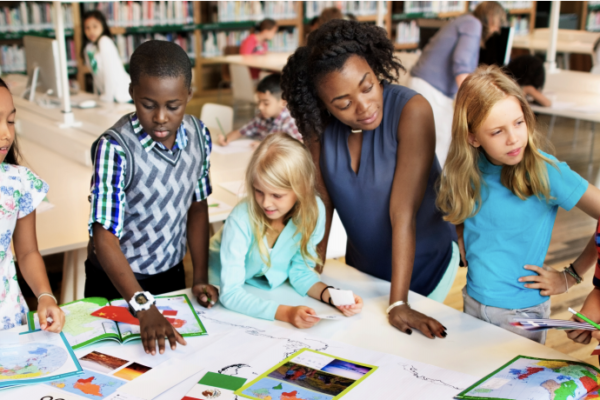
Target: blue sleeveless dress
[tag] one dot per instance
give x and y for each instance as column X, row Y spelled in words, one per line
column 363, row 200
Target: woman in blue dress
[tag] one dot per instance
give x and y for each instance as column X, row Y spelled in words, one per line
column 373, row 145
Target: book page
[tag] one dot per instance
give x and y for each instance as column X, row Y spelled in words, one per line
column 81, row 328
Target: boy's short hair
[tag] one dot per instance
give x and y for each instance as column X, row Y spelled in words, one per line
column 160, row 58
column 271, row 84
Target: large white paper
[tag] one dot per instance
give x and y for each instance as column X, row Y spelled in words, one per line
column 237, row 146
column 236, row 187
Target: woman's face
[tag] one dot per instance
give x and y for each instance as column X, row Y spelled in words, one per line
column 494, row 25
column 353, row 94
column 92, row 29
column 7, row 122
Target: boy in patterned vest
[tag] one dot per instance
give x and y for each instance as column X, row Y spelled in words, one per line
column 149, row 190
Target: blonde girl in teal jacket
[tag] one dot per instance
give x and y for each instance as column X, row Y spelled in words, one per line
column 272, row 236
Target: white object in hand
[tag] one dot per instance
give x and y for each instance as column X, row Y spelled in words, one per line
column 341, row 297
column 331, row 317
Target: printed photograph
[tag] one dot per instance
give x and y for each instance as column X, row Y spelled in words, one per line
column 101, row 362
column 312, row 379
column 346, row 369
column 132, row 371
column 268, row 388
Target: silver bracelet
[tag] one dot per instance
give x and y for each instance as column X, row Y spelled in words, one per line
column 47, row 294
column 396, row 304
column 566, row 283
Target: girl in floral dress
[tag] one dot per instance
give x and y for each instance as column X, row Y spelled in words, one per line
column 21, row 191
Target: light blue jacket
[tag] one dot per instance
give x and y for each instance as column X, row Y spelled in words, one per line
column 234, row 257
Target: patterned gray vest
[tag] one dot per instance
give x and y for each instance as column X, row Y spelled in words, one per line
column 159, row 190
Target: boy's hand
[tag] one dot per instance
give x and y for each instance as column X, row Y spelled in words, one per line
column 153, row 328
column 591, row 309
column 47, row 307
column 207, row 295
column 352, row 309
column 254, row 144
column 548, row 281
column 222, row 140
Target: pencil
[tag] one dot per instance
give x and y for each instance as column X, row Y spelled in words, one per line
column 586, row 319
column 220, row 127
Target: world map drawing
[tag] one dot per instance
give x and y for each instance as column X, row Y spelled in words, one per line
column 539, row 379
column 90, row 385
column 30, row 360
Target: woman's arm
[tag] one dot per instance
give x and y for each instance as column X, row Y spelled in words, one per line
column 34, row 271
column 314, row 146
column 416, row 149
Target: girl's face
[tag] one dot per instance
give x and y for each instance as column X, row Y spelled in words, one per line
column 7, row 122
column 93, row 29
column 503, row 135
column 275, row 203
column 353, row 95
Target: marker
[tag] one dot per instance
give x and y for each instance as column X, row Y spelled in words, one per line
column 208, row 297
column 214, row 205
column 586, row 319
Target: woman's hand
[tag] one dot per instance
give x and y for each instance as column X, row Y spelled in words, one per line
column 153, row 328
column 47, row 308
column 548, row 281
column 301, row 317
column 352, row 309
column 404, row 318
column 207, row 295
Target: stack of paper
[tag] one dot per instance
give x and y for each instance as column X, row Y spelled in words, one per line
column 540, row 324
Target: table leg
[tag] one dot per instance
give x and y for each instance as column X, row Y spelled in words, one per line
column 575, row 134
column 551, row 127
column 73, row 281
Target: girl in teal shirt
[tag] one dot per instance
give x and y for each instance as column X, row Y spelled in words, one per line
column 272, row 235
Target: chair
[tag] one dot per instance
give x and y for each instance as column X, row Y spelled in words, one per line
column 217, row 117
column 242, row 85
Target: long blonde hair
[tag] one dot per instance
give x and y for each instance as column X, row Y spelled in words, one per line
column 282, row 162
column 459, row 194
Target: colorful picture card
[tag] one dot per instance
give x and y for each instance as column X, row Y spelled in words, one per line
column 307, row 374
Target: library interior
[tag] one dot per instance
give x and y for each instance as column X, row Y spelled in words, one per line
column 261, row 199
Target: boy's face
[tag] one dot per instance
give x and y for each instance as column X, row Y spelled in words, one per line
column 269, row 105
column 160, row 106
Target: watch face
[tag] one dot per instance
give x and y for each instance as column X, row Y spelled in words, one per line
column 141, row 299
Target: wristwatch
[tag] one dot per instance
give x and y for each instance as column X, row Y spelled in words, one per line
column 140, row 301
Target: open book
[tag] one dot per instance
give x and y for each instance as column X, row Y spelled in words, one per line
column 82, row 329
column 537, row 378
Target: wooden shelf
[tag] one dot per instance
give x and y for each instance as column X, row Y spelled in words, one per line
column 451, row 14
column 367, row 18
column 406, row 46
column 521, row 11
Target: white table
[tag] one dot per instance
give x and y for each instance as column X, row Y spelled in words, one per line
column 472, row 346
column 269, row 61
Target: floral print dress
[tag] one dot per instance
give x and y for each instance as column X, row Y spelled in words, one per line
column 21, row 191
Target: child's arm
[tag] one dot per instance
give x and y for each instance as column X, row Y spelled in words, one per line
column 34, row 271
column 198, row 238
column 153, row 325
column 550, row 281
column 537, row 96
column 591, row 309
column 230, row 137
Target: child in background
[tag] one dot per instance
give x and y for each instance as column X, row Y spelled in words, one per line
column 530, row 74
column 21, row 191
column 503, row 193
column 272, row 236
column 256, row 43
column 272, row 116
column 101, row 56
column 149, row 190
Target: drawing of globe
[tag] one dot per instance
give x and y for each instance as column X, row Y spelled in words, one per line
column 31, row 360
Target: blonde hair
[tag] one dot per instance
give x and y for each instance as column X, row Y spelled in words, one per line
column 485, row 12
column 459, row 195
column 282, row 162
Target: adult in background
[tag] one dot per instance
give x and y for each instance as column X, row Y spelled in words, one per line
column 373, row 145
column 451, row 55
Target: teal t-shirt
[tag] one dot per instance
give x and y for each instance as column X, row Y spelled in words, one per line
column 508, row 233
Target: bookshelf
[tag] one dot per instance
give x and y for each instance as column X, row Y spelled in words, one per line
column 521, row 15
column 590, row 19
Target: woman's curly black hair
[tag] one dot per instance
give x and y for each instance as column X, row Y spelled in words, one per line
column 327, row 50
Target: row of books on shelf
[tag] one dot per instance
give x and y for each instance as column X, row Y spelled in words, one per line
column 255, row 10
column 521, row 24
column 508, row 5
column 12, row 57
column 593, row 21
column 593, row 3
column 407, row 32
column 144, row 13
column 32, row 16
column 357, row 8
column 126, row 44
column 214, row 42
column 434, row 6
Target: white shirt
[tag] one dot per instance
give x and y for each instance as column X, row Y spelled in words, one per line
column 110, row 78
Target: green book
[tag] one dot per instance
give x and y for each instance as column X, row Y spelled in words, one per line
column 82, row 329
column 308, row 374
column 537, row 378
